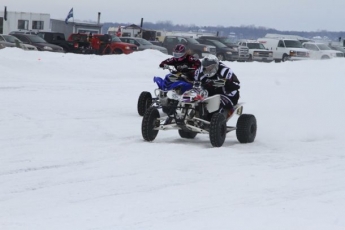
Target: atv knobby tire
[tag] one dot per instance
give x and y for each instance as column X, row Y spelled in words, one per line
column 246, row 128
column 217, row 130
column 144, row 102
column 187, row 135
column 149, row 123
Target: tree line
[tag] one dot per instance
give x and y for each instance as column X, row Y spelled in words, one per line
column 241, row 32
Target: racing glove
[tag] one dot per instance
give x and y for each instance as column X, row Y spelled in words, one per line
column 165, row 66
column 182, row 67
column 219, row 83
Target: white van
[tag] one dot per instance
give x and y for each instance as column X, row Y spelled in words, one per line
column 285, row 49
column 288, row 36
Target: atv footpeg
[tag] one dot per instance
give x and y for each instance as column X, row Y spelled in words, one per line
column 230, row 128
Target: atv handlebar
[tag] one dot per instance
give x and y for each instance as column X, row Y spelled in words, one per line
column 173, row 69
column 178, row 75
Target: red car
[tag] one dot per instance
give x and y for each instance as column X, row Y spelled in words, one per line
column 102, row 43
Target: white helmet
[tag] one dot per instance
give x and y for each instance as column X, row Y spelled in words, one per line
column 210, row 65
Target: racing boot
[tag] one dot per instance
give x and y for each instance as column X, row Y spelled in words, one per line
column 168, row 121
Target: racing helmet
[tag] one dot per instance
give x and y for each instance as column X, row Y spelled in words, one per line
column 210, row 65
column 179, row 51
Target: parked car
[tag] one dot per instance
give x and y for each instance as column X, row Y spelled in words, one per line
column 321, row 51
column 223, row 52
column 22, row 32
column 5, row 44
column 338, row 48
column 11, row 41
column 197, row 49
column 239, row 53
column 39, row 42
column 257, row 51
column 143, row 44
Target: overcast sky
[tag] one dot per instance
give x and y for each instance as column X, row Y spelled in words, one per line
column 302, row 15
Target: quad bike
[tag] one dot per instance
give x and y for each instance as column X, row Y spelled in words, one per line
column 173, row 81
column 195, row 113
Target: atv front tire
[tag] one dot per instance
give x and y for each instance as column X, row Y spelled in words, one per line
column 144, row 102
column 217, row 130
column 187, row 135
column 246, row 128
column 150, row 121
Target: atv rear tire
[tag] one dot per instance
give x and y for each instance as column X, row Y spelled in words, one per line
column 217, row 130
column 187, row 135
column 144, row 102
column 150, row 121
column 246, row 128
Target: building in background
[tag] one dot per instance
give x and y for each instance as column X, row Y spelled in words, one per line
column 75, row 27
column 23, row 21
column 26, row 22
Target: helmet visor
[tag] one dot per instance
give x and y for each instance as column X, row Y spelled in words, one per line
column 178, row 55
column 210, row 70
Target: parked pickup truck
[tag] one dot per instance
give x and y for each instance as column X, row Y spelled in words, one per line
column 102, row 43
column 223, row 52
column 59, row 39
column 197, row 50
column 239, row 53
column 257, row 51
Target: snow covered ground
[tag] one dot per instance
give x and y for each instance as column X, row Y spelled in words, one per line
column 72, row 155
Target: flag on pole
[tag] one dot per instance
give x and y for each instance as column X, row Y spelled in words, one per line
column 5, row 13
column 69, row 15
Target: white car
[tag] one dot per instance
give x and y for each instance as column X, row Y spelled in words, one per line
column 321, row 51
column 11, row 41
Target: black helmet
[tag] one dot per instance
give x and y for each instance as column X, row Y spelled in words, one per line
column 210, row 65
